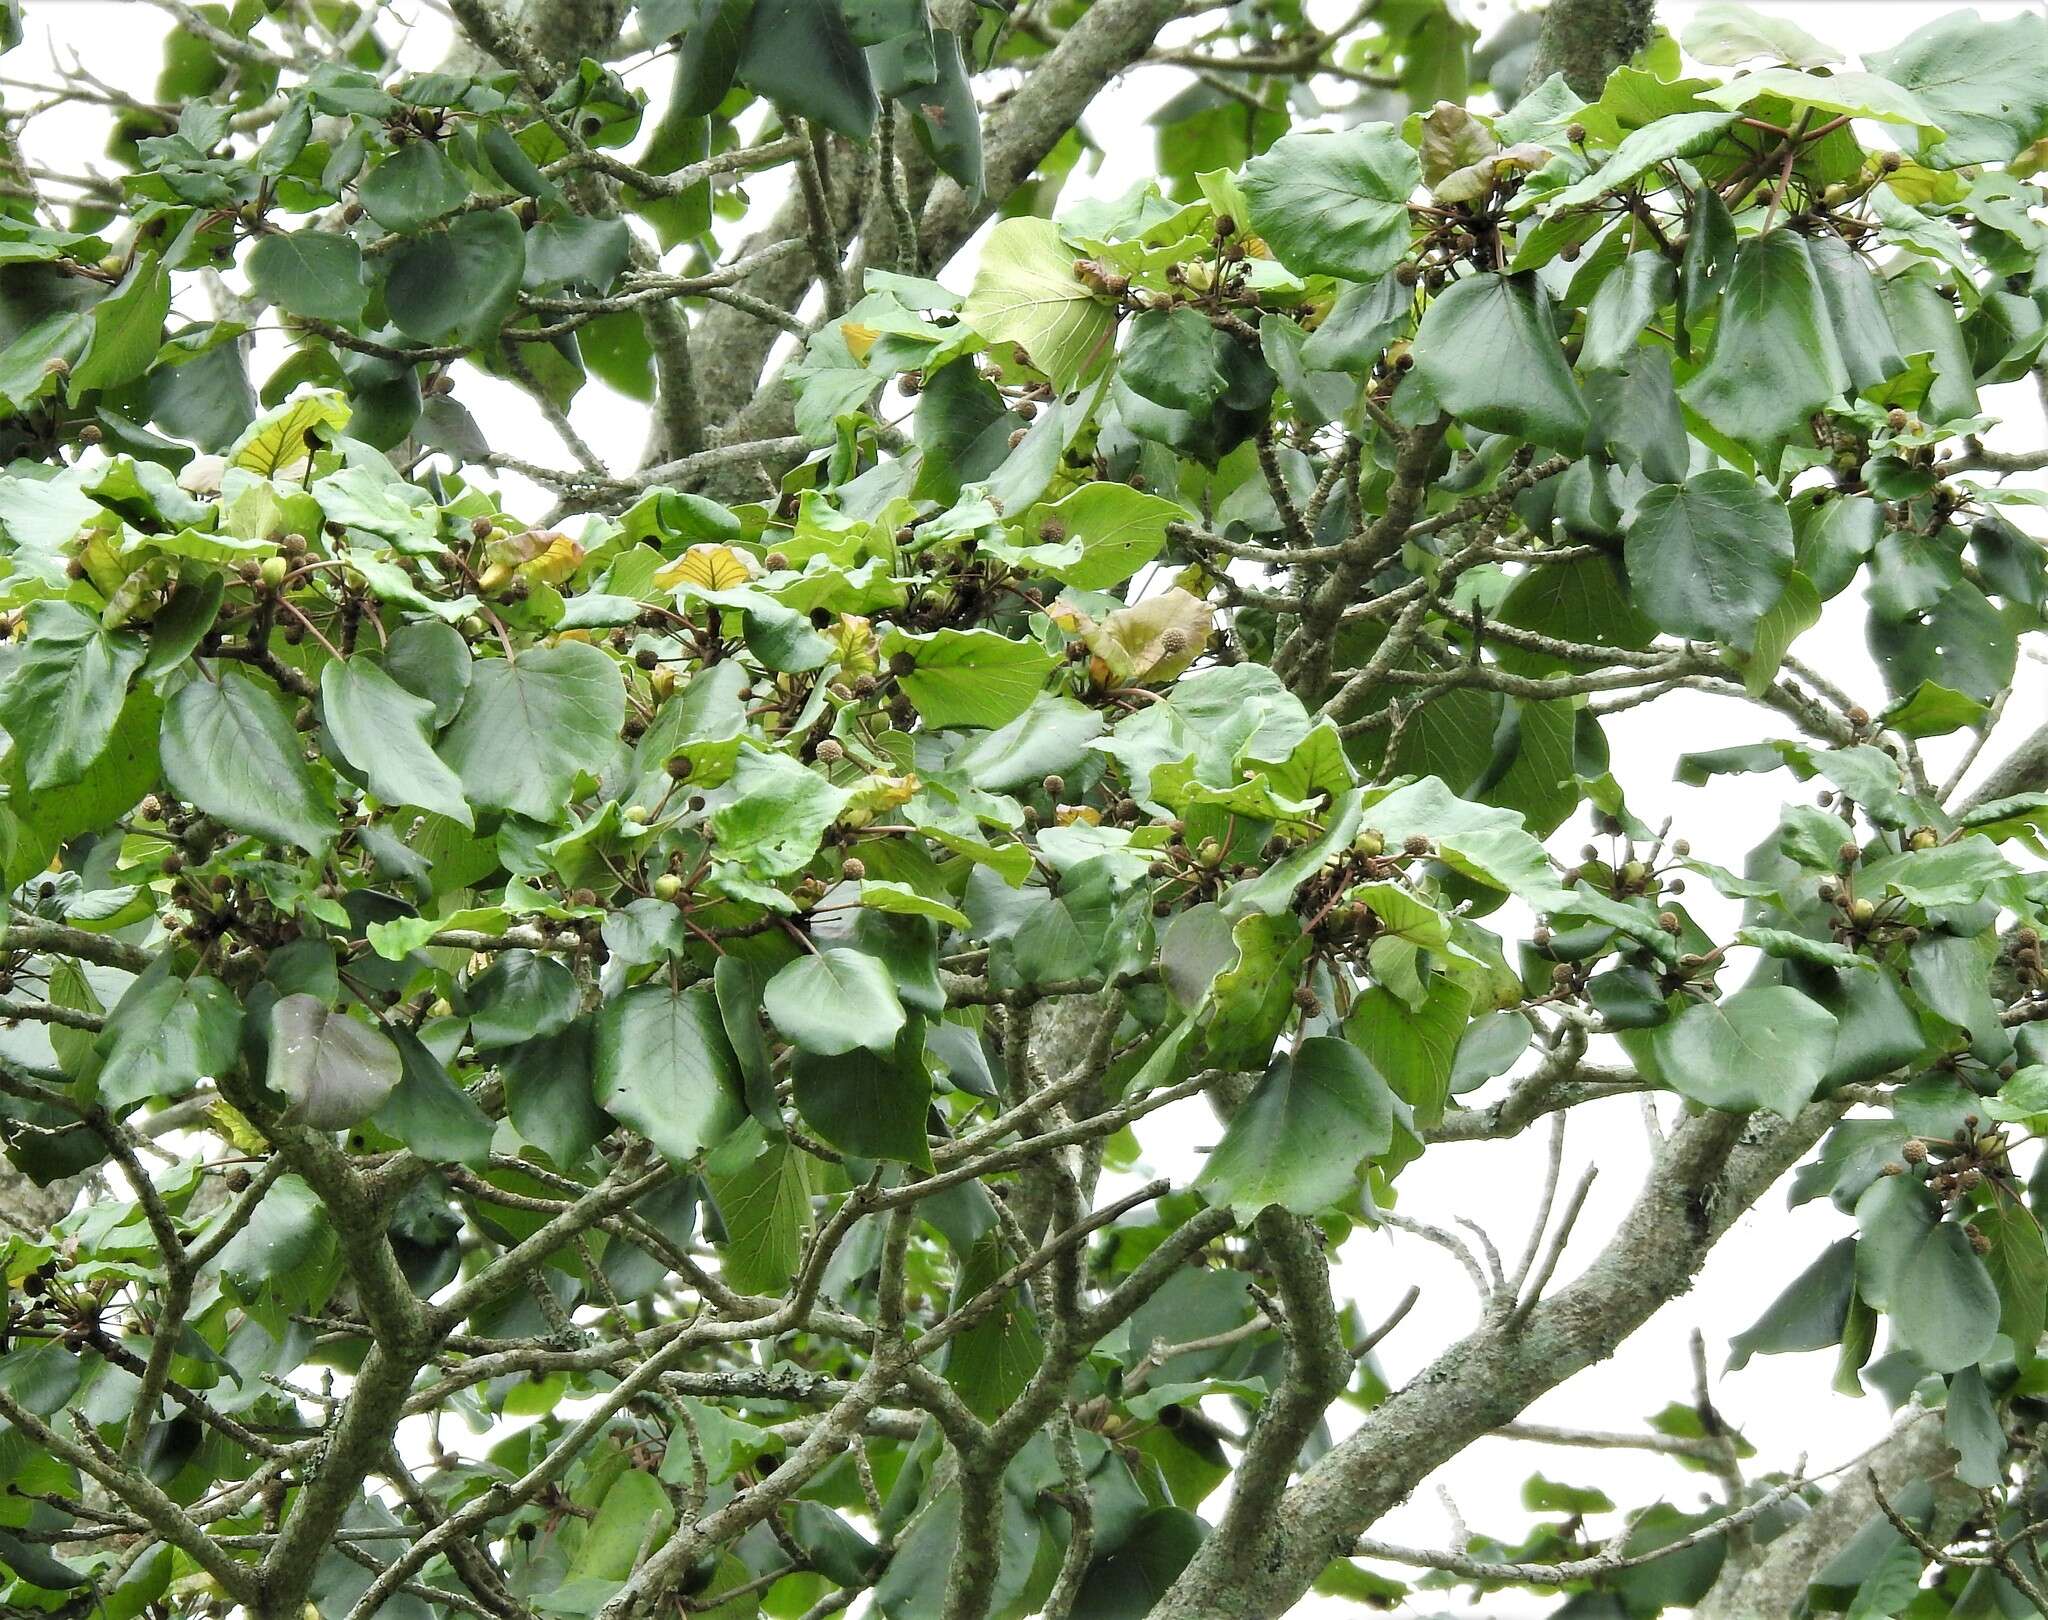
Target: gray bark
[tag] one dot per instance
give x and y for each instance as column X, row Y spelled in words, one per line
column 1710, row 1171
column 1775, row 1581
column 1586, row 40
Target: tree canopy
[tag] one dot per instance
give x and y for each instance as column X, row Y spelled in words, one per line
column 587, row 1039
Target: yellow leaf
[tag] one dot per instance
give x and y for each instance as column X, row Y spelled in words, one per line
column 538, row 556
column 859, row 338
column 708, row 567
column 1153, row 640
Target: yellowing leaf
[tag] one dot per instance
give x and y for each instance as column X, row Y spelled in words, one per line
column 538, row 556
column 272, row 443
column 1153, row 640
column 859, row 338
column 709, row 568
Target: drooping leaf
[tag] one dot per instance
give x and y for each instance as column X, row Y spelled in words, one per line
column 664, row 1066
column 383, row 731
column 1302, row 1136
column 1710, row 557
column 334, row 1070
column 1488, row 350
column 229, row 748
column 528, row 728
column 61, row 697
column 1335, row 205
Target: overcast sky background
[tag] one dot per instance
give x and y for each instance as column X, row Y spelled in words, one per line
column 1784, row 1404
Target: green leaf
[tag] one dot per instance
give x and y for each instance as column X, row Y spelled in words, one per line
column 166, row 1034
column 1416, row 1047
column 457, row 283
column 1628, row 300
column 1796, row 611
column 1335, row 205
column 1970, row 1424
column 664, row 1067
column 970, row 677
column 2018, row 1263
column 1301, row 1137
column 63, row 694
column 867, row 1104
column 764, row 1201
column 777, row 814
column 1025, row 292
column 738, row 992
column 1173, row 359
column 1726, row 35
column 412, row 188
column 1105, row 533
column 1488, row 350
column 799, row 54
column 127, row 329
column 992, row 1362
column 1981, row 82
column 277, row 441
column 524, row 996
column 1808, row 1315
column 1760, row 1048
column 1709, row 557
column 1775, row 360
column 550, row 1093
column 835, row 1000
column 1921, row 1271
column 312, row 273
column 1685, row 134
column 229, row 748
column 429, row 1112
column 527, row 729
column 335, row 1070
column 1858, row 95
column 1945, row 1306
column 382, row 730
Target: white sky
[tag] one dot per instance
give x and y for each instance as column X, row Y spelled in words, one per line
column 1784, row 1403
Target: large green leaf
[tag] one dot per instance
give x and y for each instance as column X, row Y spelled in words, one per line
column 1775, row 360
column 1709, row 557
column 970, row 677
column 1025, row 292
column 867, row 1104
column 429, row 1112
column 382, row 730
column 1981, row 81
column 1680, row 135
column 413, row 187
column 764, row 1201
column 60, row 699
column 528, row 728
column 777, row 812
column 835, row 1000
column 229, row 748
column 665, row 1068
column 459, row 282
column 315, row 273
column 1335, row 205
column 1921, row 1271
column 1761, row 1048
column 1302, row 1135
column 334, row 1070
column 799, row 54
column 1488, row 351
column 166, row 1034
column 1098, row 535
